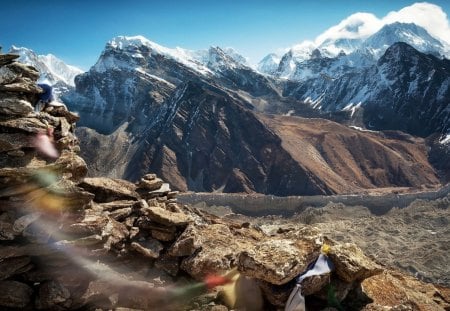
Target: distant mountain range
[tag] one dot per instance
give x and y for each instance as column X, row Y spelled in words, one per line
column 53, row 70
column 346, row 54
column 404, row 90
column 206, row 121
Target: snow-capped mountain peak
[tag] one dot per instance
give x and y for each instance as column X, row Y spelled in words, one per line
column 236, row 56
column 332, row 47
column 303, row 51
column 138, row 48
column 269, row 64
column 409, row 33
column 124, row 42
column 218, row 58
column 356, row 26
column 52, row 69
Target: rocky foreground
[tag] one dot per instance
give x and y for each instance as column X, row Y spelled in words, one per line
column 69, row 242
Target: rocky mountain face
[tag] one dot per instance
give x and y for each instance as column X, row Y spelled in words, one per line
column 345, row 159
column 397, row 75
column 72, row 243
column 133, row 76
column 206, row 140
column 440, row 155
column 405, row 90
column 198, row 122
column 194, row 147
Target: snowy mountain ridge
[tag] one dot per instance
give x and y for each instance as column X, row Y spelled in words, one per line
column 353, row 52
column 269, row 64
column 134, row 45
column 52, row 69
column 404, row 84
column 204, row 62
column 410, row 33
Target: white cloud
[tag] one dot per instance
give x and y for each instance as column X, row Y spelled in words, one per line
column 304, row 45
column 361, row 25
column 303, row 50
column 358, row 25
column 427, row 15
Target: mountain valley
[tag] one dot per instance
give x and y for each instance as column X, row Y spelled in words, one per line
column 164, row 178
column 320, row 123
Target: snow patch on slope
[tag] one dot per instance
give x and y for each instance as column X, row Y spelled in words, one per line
column 358, row 128
column 445, row 140
column 352, row 107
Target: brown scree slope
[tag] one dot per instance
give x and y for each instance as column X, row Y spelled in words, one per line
column 350, row 160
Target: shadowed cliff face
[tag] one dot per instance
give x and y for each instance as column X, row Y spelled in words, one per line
column 129, row 84
column 106, row 99
column 204, row 139
column 208, row 141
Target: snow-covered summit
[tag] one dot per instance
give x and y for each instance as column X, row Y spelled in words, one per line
column 124, row 42
column 303, row 50
column 409, row 33
column 52, row 69
column 236, row 56
column 333, row 48
column 348, row 35
column 139, row 47
column 269, row 64
column 218, row 59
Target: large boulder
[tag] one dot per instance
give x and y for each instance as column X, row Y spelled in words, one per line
column 351, row 263
column 13, row 266
column 53, row 295
column 166, row 217
column 15, row 294
column 278, row 260
column 217, row 254
column 108, row 189
column 397, row 291
column 6, row 59
column 218, row 248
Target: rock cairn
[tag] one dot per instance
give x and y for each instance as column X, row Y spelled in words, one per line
column 69, row 242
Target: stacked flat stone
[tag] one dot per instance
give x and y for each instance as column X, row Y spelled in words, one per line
column 33, row 187
column 152, row 187
column 19, row 124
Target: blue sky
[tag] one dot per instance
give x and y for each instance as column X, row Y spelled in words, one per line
column 76, row 31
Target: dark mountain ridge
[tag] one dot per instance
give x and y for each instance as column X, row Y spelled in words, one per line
column 405, row 90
